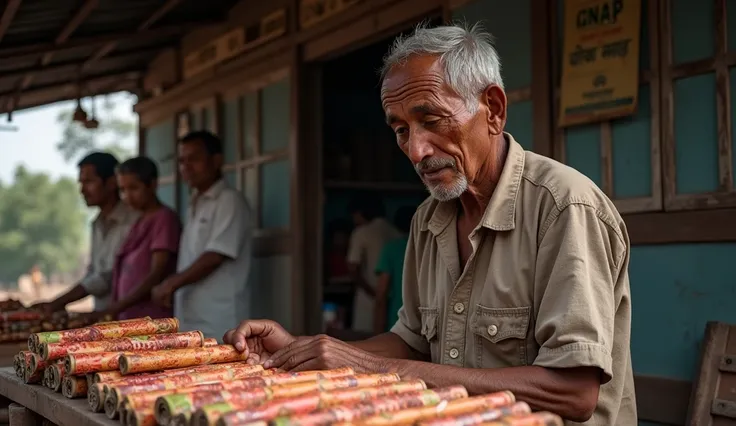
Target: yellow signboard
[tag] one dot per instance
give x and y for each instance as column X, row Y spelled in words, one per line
column 600, row 62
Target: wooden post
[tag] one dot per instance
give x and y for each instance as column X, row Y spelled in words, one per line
column 19, row 415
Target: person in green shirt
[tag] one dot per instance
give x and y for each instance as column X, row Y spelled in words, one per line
column 390, row 270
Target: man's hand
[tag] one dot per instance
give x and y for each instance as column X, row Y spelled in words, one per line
column 324, row 353
column 46, row 308
column 163, row 293
column 259, row 338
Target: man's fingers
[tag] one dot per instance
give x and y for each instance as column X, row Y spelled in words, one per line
column 309, row 365
column 281, row 356
column 248, row 329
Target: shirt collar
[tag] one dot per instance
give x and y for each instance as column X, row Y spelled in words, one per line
column 117, row 215
column 500, row 214
column 213, row 192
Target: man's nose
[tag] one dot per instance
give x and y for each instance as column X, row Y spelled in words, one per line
column 419, row 146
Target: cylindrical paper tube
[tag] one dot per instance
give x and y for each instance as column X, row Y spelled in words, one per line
column 74, row 386
column 37, row 363
column 493, row 414
column 181, row 420
column 140, row 418
column 443, row 409
column 171, row 405
column 210, row 341
column 19, row 316
column 349, row 413
column 108, row 320
column 106, row 331
column 179, row 358
column 541, row 418
column 242, row 410
column 106, row 376
column 57, row 374
column 34, row 342
column 117, row 392
column 156, row 342
column 153, row 376
column 96, row 397
column 92, row 362
column 25, row 361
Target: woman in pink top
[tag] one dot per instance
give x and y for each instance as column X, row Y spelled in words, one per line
column 148, row 254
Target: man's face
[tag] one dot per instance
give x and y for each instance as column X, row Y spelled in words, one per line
column 134, row 192
column 448, row 145
column 196, row 165
column 94, row 190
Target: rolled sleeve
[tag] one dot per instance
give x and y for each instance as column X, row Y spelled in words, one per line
column 578, row 263
column 409, row 324
column 230, row 225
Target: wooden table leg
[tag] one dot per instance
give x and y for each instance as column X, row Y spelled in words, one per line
column 21, row 416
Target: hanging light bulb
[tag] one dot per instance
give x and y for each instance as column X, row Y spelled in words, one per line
column 93, row 123
column 80, row 114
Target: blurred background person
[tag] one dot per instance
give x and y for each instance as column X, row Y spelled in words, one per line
column 148, row 254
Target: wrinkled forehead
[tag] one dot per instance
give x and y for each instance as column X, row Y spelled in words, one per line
column 419, row 71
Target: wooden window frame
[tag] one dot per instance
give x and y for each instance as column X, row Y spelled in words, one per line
column 654, row 202
column 718, row 64
column 258, row 157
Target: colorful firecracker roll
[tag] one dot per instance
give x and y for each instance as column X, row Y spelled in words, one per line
column 179, row 358
column 108, row 319
column 111, row 330
column 156, row 342
column 24, row 361
column 348, row 413
column 542, row 418
column 210, row 341
column 106, row 376
column 116, row 392
column 37, row 363
column 240, row 370
column 90, row 362
column 33, row 369
column 243, row 410
column 368, row 386
column 478, row 417
column 74, row 386
column 18, row 316
column 96, row 397
column 57, row 372
column 453, row 408
column 143, row 417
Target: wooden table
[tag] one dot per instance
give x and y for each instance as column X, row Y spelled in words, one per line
column 32, row 404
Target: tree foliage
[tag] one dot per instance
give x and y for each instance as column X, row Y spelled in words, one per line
column 41, row 222
column 77, row 140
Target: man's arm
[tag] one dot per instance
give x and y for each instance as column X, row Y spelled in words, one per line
column 389, row 345
column 230, row 226
column 160, row 261
column 76, row 293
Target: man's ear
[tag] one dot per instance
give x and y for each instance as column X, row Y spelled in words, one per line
column 495, row 102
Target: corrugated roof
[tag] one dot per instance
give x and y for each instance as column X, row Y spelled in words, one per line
column 55, row 44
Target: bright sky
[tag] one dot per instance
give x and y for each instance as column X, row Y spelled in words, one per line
column 34, row 142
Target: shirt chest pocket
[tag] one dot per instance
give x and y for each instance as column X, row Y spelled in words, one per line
column 430, row 321
column 500, row 336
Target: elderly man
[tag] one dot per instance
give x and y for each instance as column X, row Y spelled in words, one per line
column 516, row 268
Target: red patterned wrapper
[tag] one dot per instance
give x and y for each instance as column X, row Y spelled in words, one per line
column 179, row 358
column 106, row 376
column 116, row 393
column 112, row 330
column 348, row 413
column 20, row 316
column 210, row 341
column 74, row 386
column 378, row 385
column 156, row 342
column 25, row 362
column 92, row 362
column 541, row 418
column 240, row 370
column 478, row 417
column 57, row 372
column 443, row 409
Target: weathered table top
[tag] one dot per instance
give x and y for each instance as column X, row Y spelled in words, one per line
column 50, row 405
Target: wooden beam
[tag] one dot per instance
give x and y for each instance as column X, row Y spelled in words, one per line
column 699, row 226
column 20, row 52
column 109, row 47
column 542, row 77
column 11, row 8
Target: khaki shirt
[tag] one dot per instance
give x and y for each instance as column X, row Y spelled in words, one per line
column 547, row 283
column 108, row 235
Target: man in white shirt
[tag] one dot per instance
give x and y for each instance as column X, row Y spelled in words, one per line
column 209, row 289
column 99, row 188
column 372, row 231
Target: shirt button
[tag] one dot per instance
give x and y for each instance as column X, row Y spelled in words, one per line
column 454, row 353
column 459, row 308
column 492, row 330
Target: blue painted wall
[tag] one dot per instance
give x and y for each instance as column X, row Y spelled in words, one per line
column 159, row 147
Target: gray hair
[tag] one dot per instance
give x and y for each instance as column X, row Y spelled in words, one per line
column 468, row 57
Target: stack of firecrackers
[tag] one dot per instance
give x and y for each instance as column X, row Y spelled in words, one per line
column 144, row 372
column 17, row 322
